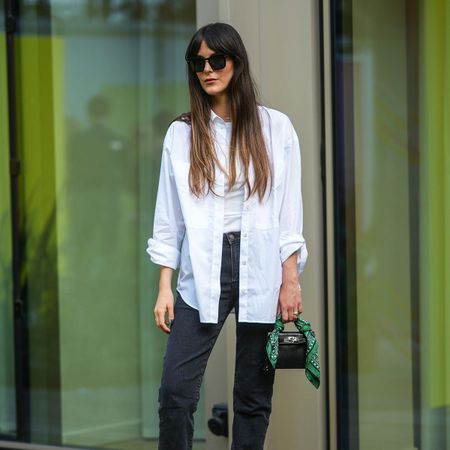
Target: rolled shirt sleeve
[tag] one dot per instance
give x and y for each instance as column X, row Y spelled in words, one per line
column 291, row 212
column 168, row 225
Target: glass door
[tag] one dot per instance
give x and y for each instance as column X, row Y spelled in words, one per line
column 392, row 203
column 96, row 86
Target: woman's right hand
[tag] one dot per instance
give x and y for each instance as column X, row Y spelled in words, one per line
column 164, row 305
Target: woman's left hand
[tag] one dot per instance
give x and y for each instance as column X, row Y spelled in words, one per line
column 290, row 302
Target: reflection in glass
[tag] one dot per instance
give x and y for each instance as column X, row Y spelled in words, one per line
column 394, row 381
column 99, row 84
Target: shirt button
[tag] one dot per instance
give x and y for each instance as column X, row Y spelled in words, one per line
column 245, row 234
column 244, row 263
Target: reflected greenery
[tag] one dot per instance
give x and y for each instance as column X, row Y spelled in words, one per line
column 98, row 83
column 35, row 16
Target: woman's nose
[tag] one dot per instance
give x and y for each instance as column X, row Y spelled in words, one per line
column 207, row 68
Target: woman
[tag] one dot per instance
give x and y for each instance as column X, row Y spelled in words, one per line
column 229, row 215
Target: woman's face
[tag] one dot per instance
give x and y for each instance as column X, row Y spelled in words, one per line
column 214, row 82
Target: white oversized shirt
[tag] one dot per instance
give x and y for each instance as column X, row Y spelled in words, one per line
column 188, row 231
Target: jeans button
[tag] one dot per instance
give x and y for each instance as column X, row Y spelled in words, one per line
column 231, row 236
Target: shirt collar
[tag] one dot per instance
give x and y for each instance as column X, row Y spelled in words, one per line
column 217, row 119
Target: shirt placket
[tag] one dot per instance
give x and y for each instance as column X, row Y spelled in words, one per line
column 243, row 265
column 223, row 135
column 219, row 204
column 244, row 255
column 244, row 242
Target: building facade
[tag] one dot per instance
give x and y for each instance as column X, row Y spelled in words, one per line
column 87, row 90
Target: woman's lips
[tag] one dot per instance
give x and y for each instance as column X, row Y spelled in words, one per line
column 210, row 81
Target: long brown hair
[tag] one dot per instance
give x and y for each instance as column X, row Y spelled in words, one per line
column 247, row 141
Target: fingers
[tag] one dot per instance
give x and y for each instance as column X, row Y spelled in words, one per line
column 300, row 302
column 290, row 313
column 160, row 318
column 285, row 314
column 298, row 307
column 296, row 311
column 164, row 310
column 171, row 313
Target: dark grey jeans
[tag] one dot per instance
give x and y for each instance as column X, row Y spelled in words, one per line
column 188, row 348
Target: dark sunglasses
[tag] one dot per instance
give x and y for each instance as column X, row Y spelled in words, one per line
column 216, row 61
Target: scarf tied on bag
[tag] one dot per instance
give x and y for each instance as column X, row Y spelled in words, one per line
column 312, row 368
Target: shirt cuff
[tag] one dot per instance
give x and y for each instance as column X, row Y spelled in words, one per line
column 290, row 243
column 163, row 254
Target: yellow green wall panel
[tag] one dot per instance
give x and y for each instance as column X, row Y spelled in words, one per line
column 435, row 202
